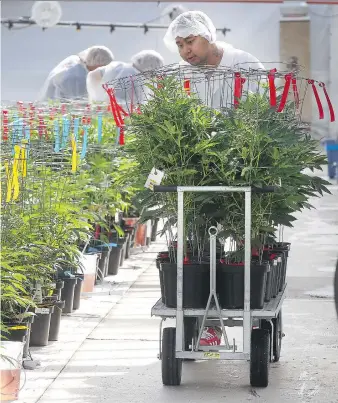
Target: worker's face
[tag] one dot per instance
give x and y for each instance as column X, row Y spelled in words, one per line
column 193, row 49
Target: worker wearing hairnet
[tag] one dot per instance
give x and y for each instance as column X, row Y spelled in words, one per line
column 68, row 79
column 193, row 35
column 141, row 62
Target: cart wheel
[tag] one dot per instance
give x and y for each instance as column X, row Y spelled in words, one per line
column 260, row 358
column 277, row 337
column 171, row 366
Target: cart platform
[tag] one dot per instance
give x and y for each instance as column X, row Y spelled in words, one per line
column 269, row 311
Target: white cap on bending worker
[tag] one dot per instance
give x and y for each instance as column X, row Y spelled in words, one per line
column 194, row 36
column 143, row 61
column 68, row 79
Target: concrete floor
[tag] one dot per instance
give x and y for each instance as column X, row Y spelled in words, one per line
column 117, row 362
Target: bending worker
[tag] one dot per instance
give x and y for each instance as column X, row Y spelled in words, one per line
column 68, row 79
column 141, row 62
column 193, row 35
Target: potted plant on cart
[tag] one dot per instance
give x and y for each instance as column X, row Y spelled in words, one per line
column 251, row 146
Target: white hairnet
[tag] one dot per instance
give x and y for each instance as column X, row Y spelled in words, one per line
column 194, row 23
column 147, row 60
column 96, row 56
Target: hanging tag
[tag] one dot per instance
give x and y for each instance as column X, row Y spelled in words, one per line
column 187, row 87
column 272, row 87
column 74, row 155
column 318, row 101
column 99, row 127
column 332, row 115
column 155, row 178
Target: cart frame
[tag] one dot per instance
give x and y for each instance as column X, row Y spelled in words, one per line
column 235, row 317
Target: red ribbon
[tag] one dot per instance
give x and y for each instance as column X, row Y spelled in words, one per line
column 159, row 85
column 238, row 90
column 97, row 231
column 285, row 94
column 5, row 125
column 295, row 91
column 41, row 123
column 113, row 104
column 119, row 107
column 88, row 111
column 332, row 115
column 187, row 87
column 272, row 87
column 319, row 103
column 121, row 137
column 132, row 95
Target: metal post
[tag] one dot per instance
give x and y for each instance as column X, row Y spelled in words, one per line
column 180, row 243
column 247, row 270
column 213, row 233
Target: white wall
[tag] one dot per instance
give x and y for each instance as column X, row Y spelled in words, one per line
column 29, row 54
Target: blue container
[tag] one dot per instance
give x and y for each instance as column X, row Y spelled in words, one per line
column 332, row 157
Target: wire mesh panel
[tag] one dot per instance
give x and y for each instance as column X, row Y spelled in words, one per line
column 223, row 88
column 45, row 149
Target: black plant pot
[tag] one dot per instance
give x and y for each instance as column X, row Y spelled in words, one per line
column 67, row 294
column 162, row 257
column 128, row 244
column 77, row 291
column 282, row 249
column 123, row 251
column 154, row 229
column 19, row 332
column 55, row 321
column 230, row 285
column 114, row 259
column 103, row 267
column 196, row 284
column 40, row 326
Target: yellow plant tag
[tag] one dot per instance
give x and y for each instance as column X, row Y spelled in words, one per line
column 15, row 173
column 17, row 328
column 9, row 183
column 74, row 155
column 212, row 355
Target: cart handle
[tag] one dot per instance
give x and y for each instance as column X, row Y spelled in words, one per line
column 165, row 189
column 173, row 189
column 264, row 189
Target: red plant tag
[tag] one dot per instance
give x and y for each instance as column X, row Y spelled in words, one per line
column 239, row 81
column 318, row 101
column 328, row 100
column 288, row 78
column 272, row 87
column 187, row 87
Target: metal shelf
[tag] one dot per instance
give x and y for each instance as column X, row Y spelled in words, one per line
column 270, row 310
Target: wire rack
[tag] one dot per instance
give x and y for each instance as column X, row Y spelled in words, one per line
column 223, row 88
column 44, row 147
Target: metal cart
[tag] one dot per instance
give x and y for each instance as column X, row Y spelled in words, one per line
column 262, row 329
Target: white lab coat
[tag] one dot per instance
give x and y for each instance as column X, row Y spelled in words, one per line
column 117, row 75
column 218, row 91
column 66, row 81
